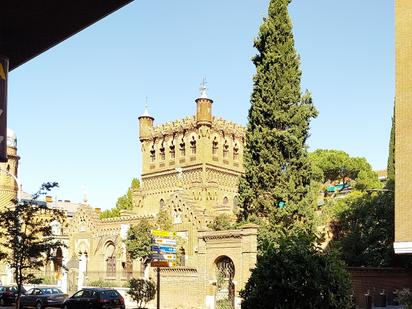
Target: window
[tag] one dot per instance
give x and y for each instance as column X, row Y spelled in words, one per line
column 225, row 200
column 182, row 147
column 193, row 145
column 78, row 294
column 153, row 153
column 162, row 152
column 236, row 152
column 172, row 151
column 225, row 149
column 214, row 145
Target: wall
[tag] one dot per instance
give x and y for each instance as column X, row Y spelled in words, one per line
column 375, row 280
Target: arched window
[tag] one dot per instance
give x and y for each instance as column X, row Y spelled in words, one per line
column 162, row 204
column 153, row 153
column 215, row 144
column 162, row 151
column 182, row 147
column 193, row 145
column 225, row 200
column 236, row 152
column 172, row 150
column 225, row 149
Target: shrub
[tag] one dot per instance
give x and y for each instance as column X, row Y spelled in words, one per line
column 405, row 298
column 106, row 283
column 296, row 274
column 141, row 291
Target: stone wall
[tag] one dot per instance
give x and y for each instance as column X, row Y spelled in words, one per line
column 179, row 288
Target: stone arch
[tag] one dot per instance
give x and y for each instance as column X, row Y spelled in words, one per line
column 110, row 259
column 225, row 287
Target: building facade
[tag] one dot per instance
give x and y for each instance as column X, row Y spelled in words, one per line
column 403, row 128
column 190, row 169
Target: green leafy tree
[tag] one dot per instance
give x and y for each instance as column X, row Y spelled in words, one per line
column 139, row 240
column 221, row 222
column 125, row 202
column 364, row 229
column 336, row 165
column 164, row 221
column 365, row 234
column 277, row 168
column 26, row 240
column 141, row 291
column 297, row 274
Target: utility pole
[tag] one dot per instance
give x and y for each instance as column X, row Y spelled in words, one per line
column 158, row 287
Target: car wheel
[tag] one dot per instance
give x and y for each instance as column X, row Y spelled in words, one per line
column 2, row 302
column 65, row 307
column 39, row 305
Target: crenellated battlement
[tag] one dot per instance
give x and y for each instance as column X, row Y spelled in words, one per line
column 200, row 156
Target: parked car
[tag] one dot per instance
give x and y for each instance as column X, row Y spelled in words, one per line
column 8, row 294
column 40, row 298
column 95, row 298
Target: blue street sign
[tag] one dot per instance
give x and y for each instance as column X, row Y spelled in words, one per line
column 157, row 256
column 167, row 249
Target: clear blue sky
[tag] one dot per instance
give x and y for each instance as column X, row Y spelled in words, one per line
column 75, row 107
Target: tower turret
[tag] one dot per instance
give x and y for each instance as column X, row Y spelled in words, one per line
column 8, row 185
column 145, row 126
column 204, row 107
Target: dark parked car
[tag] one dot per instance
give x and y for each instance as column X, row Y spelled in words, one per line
column 8, row 294
column 95, row 298
column 40, row 298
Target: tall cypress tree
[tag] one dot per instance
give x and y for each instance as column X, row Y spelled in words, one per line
column 277, row 168
column 391, row 157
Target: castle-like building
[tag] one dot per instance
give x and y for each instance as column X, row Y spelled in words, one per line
column 190, row 169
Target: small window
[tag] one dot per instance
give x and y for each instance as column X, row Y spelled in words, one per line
column 225, row 149
column 182, row 148
column 193, row 145
column 236, row 152
column 162, row 152
column 172, row 151
column 214, row 145
column 225, row 200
